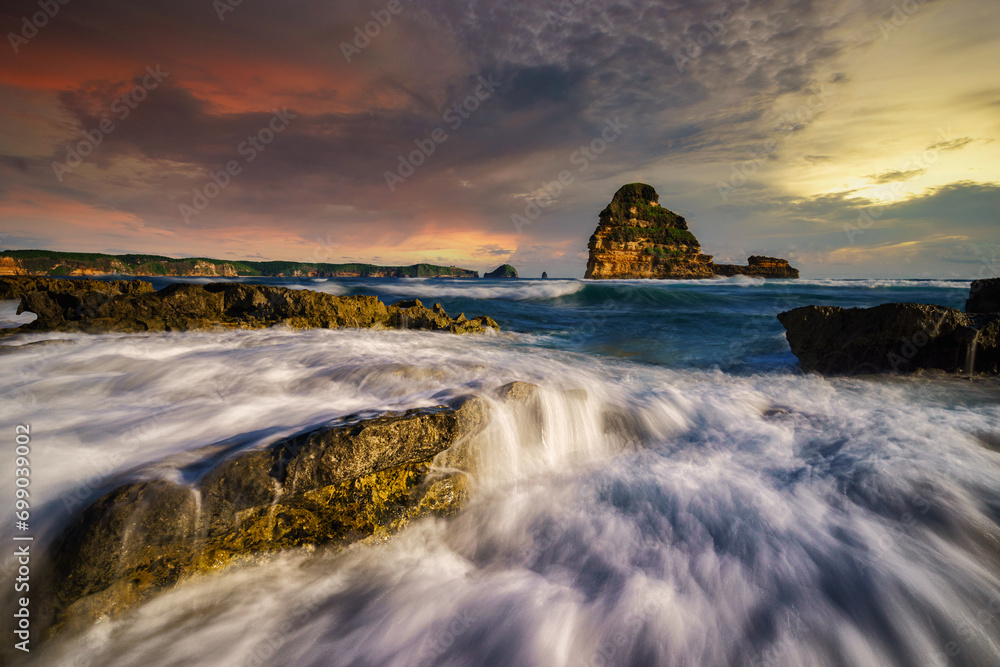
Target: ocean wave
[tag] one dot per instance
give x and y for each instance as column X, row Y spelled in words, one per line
column 636, row 515
column 741, row 281
column 515, row 290
column 882, row 283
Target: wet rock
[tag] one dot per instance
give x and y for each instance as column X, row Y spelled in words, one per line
column 236, row 485
column 517, row 392
column 133, row 306
column 357, row 478
column 138, row 535
column 895, row 337
column 412, row 314
column 16, row 287
column 332, row 456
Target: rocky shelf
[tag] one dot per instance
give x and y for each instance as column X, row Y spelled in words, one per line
column 899, row 337
column 638, row 238
column 132, row 306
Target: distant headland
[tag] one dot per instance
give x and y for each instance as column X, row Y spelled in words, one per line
column 53, row 263
column 638, row 238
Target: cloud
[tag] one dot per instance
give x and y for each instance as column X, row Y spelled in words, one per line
column 952, row 145
column 747, row 68
column 493, row 251
column 893, row 175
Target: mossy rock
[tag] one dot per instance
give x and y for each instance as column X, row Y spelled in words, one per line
column 333, row 485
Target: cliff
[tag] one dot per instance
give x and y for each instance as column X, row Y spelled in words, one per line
column 10, row 267
column 53, row 263
column 638, row 238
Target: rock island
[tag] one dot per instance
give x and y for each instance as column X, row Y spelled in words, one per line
column 638, row 238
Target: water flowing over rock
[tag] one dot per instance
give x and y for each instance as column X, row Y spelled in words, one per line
column 895, row 337
column 132, row 306
column 638, row 238
column 337, row 484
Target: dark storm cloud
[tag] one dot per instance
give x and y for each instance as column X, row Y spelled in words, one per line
column 560, row 79
column 977, row 205
column 565, row 69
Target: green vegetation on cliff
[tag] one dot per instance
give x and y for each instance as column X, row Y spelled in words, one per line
column 54, row 263
column 658, row 235
column 640, row 201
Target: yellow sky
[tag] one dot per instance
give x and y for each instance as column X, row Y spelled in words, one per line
column 928, row 82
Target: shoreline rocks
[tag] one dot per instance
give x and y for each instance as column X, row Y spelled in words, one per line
column 133, row 306
column 897, row 337
column 638, row 238
column 358, row 478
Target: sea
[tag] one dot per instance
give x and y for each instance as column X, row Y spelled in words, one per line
column 685, row 495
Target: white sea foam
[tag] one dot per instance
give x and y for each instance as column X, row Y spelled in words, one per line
column 635, row 515
column 325, row 286
column 879, row 283
column 770, row 283
column 9, row 317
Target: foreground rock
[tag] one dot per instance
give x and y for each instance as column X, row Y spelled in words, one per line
column 17, row 287
column 638, row 238
column 895, row 337
column 132, row 306
column 355, row 479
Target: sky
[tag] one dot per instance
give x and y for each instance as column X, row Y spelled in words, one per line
column 856, row 138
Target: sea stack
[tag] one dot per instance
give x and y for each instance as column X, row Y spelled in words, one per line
column 638, row 238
